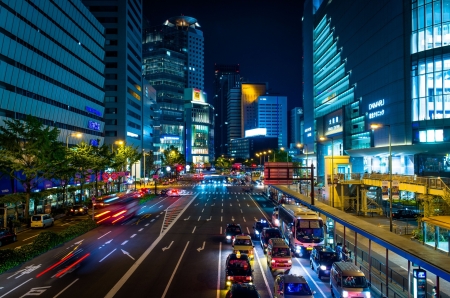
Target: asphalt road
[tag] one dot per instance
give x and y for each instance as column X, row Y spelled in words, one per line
column 174, row 247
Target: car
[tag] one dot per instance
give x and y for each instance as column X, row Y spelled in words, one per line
column 266, row 234
column 405, row 213
column 42, row 221
column 238, row 269
column 6, row 236
column 231, row 231
column 258, row 226
column 173, row 192
column 243, row 290
column 321, row 259
column 164, row 191
column 244, row 244
column 290, row 286
column 78, row 210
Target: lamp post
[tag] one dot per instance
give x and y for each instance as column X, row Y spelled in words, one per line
column 268, row 156
column 259, row 155
column 76, row 135
column 375, row 126
column 287, row 153
column 332, row 167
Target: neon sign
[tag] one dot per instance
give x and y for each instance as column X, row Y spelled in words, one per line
column 376, row 105
column 308, row 131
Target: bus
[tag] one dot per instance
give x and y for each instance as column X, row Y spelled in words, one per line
column 302, row 228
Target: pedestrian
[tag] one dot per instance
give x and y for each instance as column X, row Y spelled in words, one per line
column 11, row 226
column 435, row 293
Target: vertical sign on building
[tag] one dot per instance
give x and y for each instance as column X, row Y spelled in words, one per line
column 395, row 189
column 385, row 190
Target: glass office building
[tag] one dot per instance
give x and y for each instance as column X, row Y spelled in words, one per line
column 51, row 66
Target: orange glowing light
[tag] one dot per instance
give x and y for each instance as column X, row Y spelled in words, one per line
column 103, row 213
column 118, row 219
column 103, row 219
column 119, row 213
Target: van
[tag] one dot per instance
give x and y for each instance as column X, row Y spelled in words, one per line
column 278, row 255
column 346, row 280
column 41, row 221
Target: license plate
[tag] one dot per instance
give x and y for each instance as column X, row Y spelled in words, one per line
column 309, row 248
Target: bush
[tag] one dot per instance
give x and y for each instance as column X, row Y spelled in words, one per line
column 45, row 241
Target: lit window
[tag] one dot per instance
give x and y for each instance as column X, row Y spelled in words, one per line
column 439, row 135
column 430, row 136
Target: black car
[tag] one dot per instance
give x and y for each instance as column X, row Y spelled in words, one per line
column 258, row 227
column 6, row 236
column 164, row 191
column 238, row 269
column 231, row 231
column 321, row 259
column 405, row 213
column 78, row 210
column 243, row 290
column 266, row 234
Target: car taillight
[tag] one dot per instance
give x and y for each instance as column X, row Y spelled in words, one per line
column 81, row 209
column 248, row 278
column 230, row 277
column 273, row 261
column 289, row 261
column 71, row 209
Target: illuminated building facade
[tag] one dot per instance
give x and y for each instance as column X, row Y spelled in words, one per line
column 50, row 71
column 296, row 127
column 226, row 76
column 272, row 115
column 249, row 104
column 233, row 116
column 199, row 128
column 393, row 71
column 173, row 57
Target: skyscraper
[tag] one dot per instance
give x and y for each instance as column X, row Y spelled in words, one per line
column 52, row 71
column 123, row 79
column 249, row 96
column 233, row 124
column 225, row 78
column 173, row 60
column 272, row 115
column 296, row 127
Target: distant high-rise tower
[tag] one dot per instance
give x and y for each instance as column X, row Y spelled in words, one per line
column 296, row 126
column 173, row 60
column 272, row 115
column 123, row 79
column 233, row 124
column 225, row 78
column 249, row 96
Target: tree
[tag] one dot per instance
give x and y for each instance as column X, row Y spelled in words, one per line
column 29, row 152
column 81, row 158
column 172, row 157
column 223, row 163
column 125, row 156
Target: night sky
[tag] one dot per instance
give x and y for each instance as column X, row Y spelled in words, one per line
column 263, row 37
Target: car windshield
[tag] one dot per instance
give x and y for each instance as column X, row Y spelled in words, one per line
column 309, row 229
column 281, row 252
column 297, row 289
column 242, row 242
column 36, row 218
column 354, row 281
column 261, row 225
column 236, row 230
column 328, row 256
column 272, row 234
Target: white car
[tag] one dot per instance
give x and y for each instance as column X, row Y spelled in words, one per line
column 42, row 221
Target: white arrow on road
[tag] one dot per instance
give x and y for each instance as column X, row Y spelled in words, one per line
column 230, row 204
column 232, row 218
column 187, row 218
column 108, row 242
column 244, row 220
column 248, row 205
column 127, row 253
column 201, row 248
column 165, row 248
column 208, row 219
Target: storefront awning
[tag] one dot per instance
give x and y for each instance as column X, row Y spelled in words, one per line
column 439, row 221
column 431, row 148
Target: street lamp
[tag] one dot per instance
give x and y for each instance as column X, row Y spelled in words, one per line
column 268, row 156
column 117, row 143
column 376, row 126
column 332, row 167
column 76, row 135
column 259, row 155
column 287, row 153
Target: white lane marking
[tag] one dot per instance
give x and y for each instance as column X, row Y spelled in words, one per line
column 306, row 271
column 167, row 247
column 193, row 230
column 221, row 218
column 107, row 255
column 245, row 221
column 222, row 204
column 127, row 253
column 263, row 272
column 66, row 288
column 152, row 220
column 140, row 229
column 16, row 288
column 174, row 271
column 146, row 225
column 30, row 237
column 104, row 235
column 248, row 231
column 187, row 218
column 220, row 230
column 205, row 204
column 203, row 210
column 242, row 211
column 160, row 206
column 163, row 211
column 125, row 242
column 199, row 218
column 221, row 210
column 201, row 248
column 157, row 216
column 132, row 236
column 239, row 205
column 136, row 264
column 65, row 225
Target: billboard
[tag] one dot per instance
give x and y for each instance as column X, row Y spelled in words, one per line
column 333, row 122
column 195, row 95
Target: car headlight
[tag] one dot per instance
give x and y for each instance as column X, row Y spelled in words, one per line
column 297, row 248
column 323, row 267
column 367, row 294
column 257, row 232
column 228, row 237
column 344, row 294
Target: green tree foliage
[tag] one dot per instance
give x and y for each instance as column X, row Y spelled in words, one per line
column 223, row 163
column 172, row 156
column 32, row 149
column 124, row 157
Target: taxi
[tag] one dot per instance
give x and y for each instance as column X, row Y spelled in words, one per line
column 244, row 244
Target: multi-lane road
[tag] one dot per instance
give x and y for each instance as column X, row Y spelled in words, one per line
column 174, row 247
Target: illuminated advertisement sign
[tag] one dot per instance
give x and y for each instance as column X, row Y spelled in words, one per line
column 333, row 122
column 376, row 109
column 93, row 111
column 94, row 125
column 194, row 95
column 308, row 131
column 256, row 132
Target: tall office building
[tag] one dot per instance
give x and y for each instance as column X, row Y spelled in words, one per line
column 371, row 69
column 249, row 96
column 272, row 115
column 233, row 116
column 123, row 79
column 51, row 67
column 173, row 60
column 225, row 78
column 296, row 127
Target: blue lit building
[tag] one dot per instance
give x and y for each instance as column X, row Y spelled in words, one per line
column 272, row 115
column 51, row 66
column 387, row 64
